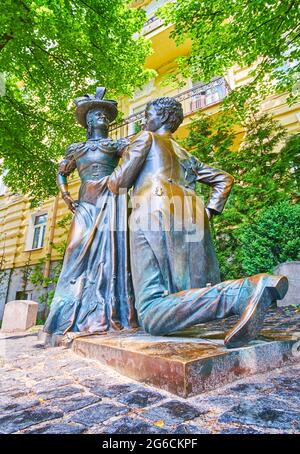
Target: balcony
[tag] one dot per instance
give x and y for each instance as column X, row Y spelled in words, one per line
column 197, row 98
column 152, row 24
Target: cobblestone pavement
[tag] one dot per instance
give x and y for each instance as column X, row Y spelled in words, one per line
column 55, row 391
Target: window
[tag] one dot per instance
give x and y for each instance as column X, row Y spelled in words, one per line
column 36, row 231
column 211, row 93
column 3, row 188
column 39, row 228
column 153, row 6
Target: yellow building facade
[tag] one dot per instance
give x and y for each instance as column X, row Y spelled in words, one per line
column 27, row 236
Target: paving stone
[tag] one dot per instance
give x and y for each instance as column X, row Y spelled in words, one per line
column 239, row 430
column 85, row 373
column 39, row 375
column 140, row 398
column 75, row 403
column 172, row 412
column 75, row 365
column 293, row 369
column 217, row 402
column 189, row 429
column 274, row 403
column 11, row 385
column 61, row 428
column 56, row 393
column 98, row 413
column 4, row 400
column 59, row 363
column 16, row 421
column 51, row 352
column 129, row 425
column 250, row 388
column 26, row 364
column 114, row 390
column 16, row 393
column 290, row 399
column 6, row 374
column 49, row 385
column 8, row 405
column 288, row 383
column 99, row 382
column 263, row 412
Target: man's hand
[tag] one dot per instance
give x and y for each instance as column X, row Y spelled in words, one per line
column 69, row 201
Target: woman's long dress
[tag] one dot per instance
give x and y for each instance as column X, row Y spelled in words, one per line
column 94, row 292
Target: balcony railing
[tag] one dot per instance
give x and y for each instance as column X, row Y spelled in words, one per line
column 151, row 24
column 197, row 98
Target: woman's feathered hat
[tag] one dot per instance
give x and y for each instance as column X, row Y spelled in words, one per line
column 89, row 102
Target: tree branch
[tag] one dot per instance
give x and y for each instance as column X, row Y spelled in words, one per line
column 49, row 53
column 4, row 40
column 30, row 114
column 90, row 7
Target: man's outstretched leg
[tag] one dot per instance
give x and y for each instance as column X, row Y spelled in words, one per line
column 249, row 298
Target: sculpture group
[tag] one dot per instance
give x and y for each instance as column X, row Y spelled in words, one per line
column 140, row 251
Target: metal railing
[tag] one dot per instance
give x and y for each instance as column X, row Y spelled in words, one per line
column 196, row 98
column 151, row 24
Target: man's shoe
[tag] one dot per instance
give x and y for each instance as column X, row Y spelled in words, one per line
column 246, row 329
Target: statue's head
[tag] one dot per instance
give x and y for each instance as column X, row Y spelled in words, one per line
column 94, row 112
column 163, row 113
column 97, row 119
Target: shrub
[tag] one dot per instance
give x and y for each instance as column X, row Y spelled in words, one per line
column 274, row 238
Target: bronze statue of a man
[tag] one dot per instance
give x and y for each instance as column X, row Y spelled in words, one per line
column 174, row 267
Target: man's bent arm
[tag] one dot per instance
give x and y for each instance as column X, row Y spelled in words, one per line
column 132, row 161
column 221, row 183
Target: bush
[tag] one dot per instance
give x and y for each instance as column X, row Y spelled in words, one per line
column 274, row 238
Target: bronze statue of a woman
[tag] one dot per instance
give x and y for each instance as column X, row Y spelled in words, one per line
column 94, row 292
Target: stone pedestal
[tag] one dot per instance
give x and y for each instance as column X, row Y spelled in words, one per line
column 195, row 360
column 292, row 271
column 19, row 315
column 185, row 366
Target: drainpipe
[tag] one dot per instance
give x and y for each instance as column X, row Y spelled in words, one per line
column 51, row 237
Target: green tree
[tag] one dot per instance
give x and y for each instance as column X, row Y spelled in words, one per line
column 272, row 239
column 264, row 34
column 266, row 172
column 50, row 52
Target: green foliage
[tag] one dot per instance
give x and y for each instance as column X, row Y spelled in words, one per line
column 65, row 224
column 38, row 278
column 265, row 173
column 50, row 52
column 274, row 238
column 262, row 33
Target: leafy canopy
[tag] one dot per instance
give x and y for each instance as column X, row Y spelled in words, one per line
column 262, row 33
column 50, row 52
